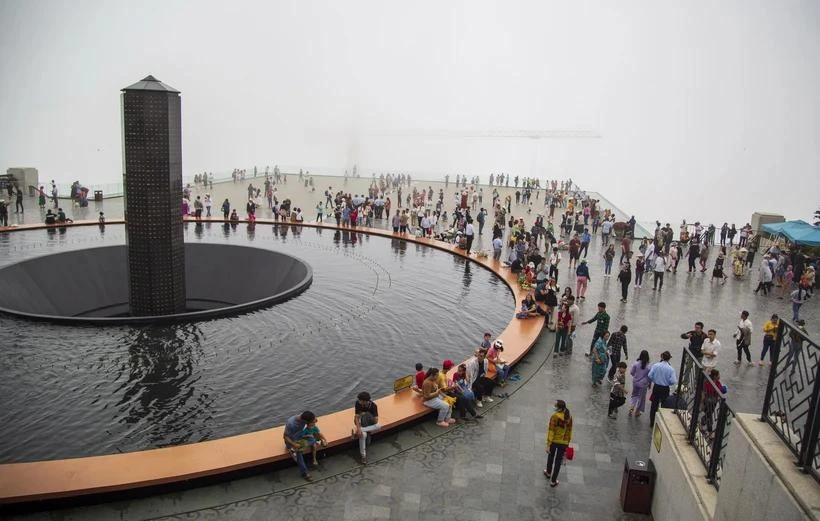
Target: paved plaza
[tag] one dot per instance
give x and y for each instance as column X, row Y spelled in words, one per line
column 490, row 470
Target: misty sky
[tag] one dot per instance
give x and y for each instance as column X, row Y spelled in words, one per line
column 701, row 110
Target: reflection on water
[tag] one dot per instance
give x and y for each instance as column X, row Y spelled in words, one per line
column 161, row 394
column 75, row 391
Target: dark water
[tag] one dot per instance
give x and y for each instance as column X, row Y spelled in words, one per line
column 376, row 306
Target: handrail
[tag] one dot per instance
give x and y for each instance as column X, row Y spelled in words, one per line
column 791, row 405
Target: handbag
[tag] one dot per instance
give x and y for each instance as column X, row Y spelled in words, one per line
column 570, row 453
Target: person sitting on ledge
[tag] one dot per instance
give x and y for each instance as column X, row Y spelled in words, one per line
column 430, row 394
column 234, row 217
column 50, row 217
column 530, row 308
column 293, row 436
column 61, row 218
column 365, row 420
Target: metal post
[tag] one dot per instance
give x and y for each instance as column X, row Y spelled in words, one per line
column 811, row 431
column 717, row 443
column 767, row 399
column 693, row 426
column 684, row 351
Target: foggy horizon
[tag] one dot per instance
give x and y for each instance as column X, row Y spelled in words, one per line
column 703, row 111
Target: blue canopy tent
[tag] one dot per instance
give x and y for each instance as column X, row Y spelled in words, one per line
column 798, row 232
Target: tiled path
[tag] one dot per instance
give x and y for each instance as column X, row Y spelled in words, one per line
column 492, row 470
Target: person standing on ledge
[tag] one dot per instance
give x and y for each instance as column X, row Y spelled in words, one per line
column 663, row 377
column 293, row 437
column 559, row 435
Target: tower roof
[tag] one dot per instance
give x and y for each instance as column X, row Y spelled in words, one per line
column 151, row 83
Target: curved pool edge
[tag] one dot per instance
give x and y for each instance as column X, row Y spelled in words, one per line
column 83, row 477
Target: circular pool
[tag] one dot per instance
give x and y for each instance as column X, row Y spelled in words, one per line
column 376, row 307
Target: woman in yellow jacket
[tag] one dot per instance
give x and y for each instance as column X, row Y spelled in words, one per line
column 559, row 434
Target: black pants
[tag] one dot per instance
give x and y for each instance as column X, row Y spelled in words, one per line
column 553, row 271
column 555, row 459
column 624, row 289
column 741, row 348
column 613, row 364
column 19, row 205
column 659, row 394
column 482, row 386
column 658, row 277
column 615, row 402
column 463, row 406
column 584, row 248
column 692, row 263
column 469, row 242
column 225, row 215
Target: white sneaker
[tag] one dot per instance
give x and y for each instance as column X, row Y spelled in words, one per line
column 737, row 362
column 479, row 403
column 489, row 399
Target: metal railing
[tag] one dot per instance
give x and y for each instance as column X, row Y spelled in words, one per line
column 702, row 409
column 792, row 400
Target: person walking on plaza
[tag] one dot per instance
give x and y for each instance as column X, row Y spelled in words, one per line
column 559, row 436
column 743, row 337
column 710, row 349
column 617, row 341
column 599, row 359
column 563, row 324
column 609, row 256
column 625, row 278
column 663, row 377
column 581, row 279
column 640, row 383
column 769, row 339
column 617, row 396
column 660, row 266
column 601, row 320
column 696, row 338
column 798, row 297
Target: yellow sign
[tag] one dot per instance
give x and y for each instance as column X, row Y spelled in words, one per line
column 657, row 437
column 402, row 383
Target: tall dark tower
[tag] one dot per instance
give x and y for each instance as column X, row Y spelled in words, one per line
column 152, row 177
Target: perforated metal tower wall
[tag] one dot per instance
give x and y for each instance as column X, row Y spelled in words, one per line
column 152, row 178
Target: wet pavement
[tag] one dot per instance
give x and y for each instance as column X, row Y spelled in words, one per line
column 491, row 470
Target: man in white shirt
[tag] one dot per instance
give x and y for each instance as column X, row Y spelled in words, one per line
column 555, row 260
column 710, row 349
column 606, row 229
column 469, row 232
column 660, row 269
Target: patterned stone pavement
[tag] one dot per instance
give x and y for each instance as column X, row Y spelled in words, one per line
column 492, row 470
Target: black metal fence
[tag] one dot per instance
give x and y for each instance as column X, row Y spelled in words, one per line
column 700, row 404
column 792, row 402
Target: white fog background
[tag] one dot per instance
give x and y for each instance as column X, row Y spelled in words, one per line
column 704, row 110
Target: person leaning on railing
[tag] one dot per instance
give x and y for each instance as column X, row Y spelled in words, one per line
column 663, row 377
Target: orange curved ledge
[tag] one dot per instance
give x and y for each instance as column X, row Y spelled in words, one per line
column 77, row 477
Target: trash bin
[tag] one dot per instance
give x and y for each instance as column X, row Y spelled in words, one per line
column 98, row 195
column 637, row 486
